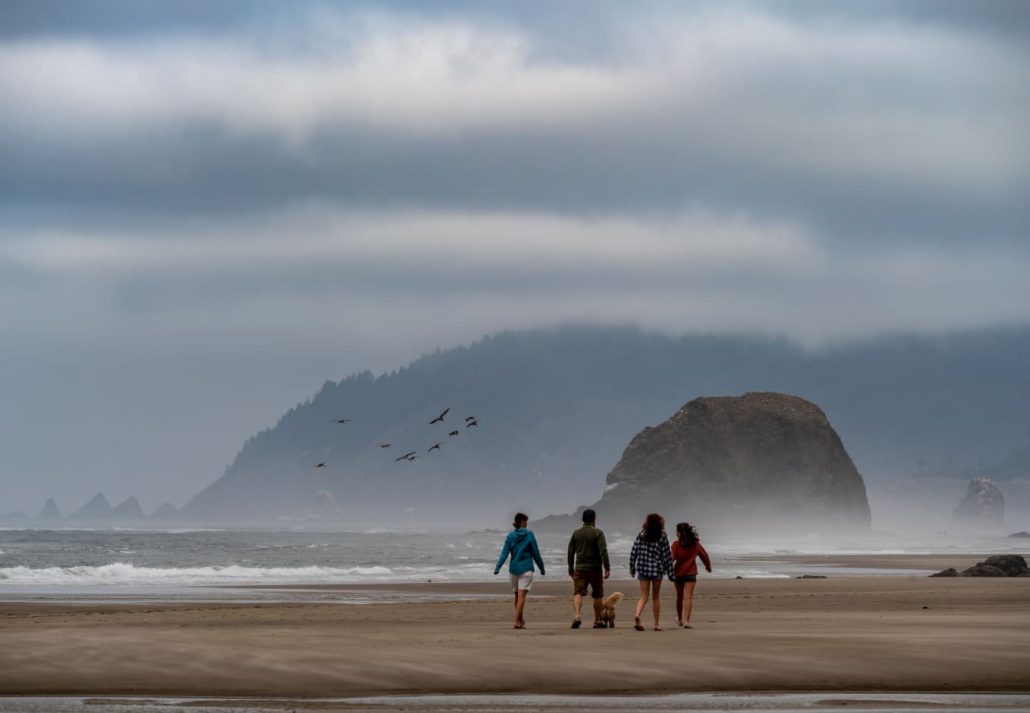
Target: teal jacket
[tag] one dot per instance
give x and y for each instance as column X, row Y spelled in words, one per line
column 521, row 545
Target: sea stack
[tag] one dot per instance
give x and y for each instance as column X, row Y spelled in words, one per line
column 982, row 506
column 49, row 511
column 128, row 509
column 166, row 511
column 765, row 461
column 96, row 509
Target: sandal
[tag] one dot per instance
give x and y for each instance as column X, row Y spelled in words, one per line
column 576, row 623
column 599, row 625
column 637, row 625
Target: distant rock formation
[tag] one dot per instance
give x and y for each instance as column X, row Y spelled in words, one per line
column 995, row 566
column 49, row 511
column 166, row 511
column 983, row 504
column 128, row 509
column 1021, row 533
column 764, row 459
column 96, row 509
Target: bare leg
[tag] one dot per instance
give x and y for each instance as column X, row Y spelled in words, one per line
column 520, row 605
column 656, row 602
column 577, row 605
column 598, row 605
column 679, row 603
column 642, row 600
column 688, row 602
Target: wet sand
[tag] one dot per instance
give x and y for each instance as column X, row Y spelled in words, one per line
column 886, row 633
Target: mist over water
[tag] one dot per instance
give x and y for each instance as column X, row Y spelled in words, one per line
column 69, row 561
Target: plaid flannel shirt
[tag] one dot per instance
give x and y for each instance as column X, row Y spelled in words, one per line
column 650, row 559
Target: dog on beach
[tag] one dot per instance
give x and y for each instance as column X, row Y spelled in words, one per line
column 608, row 609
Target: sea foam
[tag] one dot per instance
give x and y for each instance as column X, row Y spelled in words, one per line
column 124, row 573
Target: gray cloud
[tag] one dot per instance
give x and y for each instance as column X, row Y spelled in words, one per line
column 218, row 205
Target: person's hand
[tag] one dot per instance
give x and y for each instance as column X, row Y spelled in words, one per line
column 709, row 570
column 572, row 575
column 542, row 573
column 607, row 573
column 497, row 571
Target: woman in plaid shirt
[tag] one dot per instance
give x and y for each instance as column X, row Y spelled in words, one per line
column 650, row 561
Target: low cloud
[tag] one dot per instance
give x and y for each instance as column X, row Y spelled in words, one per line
column 219, row 208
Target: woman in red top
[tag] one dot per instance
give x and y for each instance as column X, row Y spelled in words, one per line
column 685, row 551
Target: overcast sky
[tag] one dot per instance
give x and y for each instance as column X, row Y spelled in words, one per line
column 207, row 209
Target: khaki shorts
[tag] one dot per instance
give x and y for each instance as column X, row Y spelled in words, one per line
column 594, row 579
column 521, row 581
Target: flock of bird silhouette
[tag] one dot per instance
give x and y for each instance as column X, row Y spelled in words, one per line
column 470, row 422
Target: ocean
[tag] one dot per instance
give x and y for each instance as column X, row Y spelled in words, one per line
column 175, row 561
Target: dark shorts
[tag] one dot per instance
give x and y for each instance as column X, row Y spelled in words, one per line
column 595, row 580
column 686, row 578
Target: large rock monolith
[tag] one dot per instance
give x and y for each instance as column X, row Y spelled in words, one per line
column 761, row 460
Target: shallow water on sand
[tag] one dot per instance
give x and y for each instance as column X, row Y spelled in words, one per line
column 688, row 702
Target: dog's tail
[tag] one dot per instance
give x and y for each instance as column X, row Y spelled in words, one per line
column 613, row 599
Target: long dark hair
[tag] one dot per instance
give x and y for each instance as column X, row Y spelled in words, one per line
column 653, row 527
column 686, row 534
column 520, row 517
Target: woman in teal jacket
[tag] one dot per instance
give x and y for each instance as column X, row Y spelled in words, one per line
column 521, row 545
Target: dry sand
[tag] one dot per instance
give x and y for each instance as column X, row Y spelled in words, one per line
column 887, row 633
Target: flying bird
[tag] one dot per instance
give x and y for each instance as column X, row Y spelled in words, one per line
column 342, row 420
column 453, row 433
column 469, row 418
column 472, row 423
column 434, row 447
column 410, row 455
column 320, row 465
column 439, row 419
column 384, row 445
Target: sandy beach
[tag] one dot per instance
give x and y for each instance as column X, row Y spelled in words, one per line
column 884, row 633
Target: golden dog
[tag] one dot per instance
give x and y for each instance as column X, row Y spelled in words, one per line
column 608, row 609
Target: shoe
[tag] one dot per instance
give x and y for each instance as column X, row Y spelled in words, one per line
column 637, row 625
column 576, row 624
column 599, row 625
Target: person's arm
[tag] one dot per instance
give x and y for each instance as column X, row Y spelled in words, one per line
column 505, row 551
column 535, row 552
column 633, row 554
column 602, row 545
column 675, row 555
column 572, row 555
column 667, row 557
column 704, row 557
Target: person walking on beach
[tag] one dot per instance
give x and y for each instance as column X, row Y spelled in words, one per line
column 521, row 545
column 650, row 561
column 685, row 551
column 588, row 558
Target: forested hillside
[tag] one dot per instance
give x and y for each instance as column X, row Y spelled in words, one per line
column 556, row 407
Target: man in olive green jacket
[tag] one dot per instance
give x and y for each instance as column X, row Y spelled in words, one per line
column 588, row 557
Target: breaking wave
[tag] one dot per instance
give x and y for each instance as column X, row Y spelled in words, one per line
column 124, row 573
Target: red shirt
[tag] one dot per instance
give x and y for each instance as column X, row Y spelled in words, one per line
column 685, row 558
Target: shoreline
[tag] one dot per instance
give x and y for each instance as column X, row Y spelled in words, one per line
column 842, row 634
